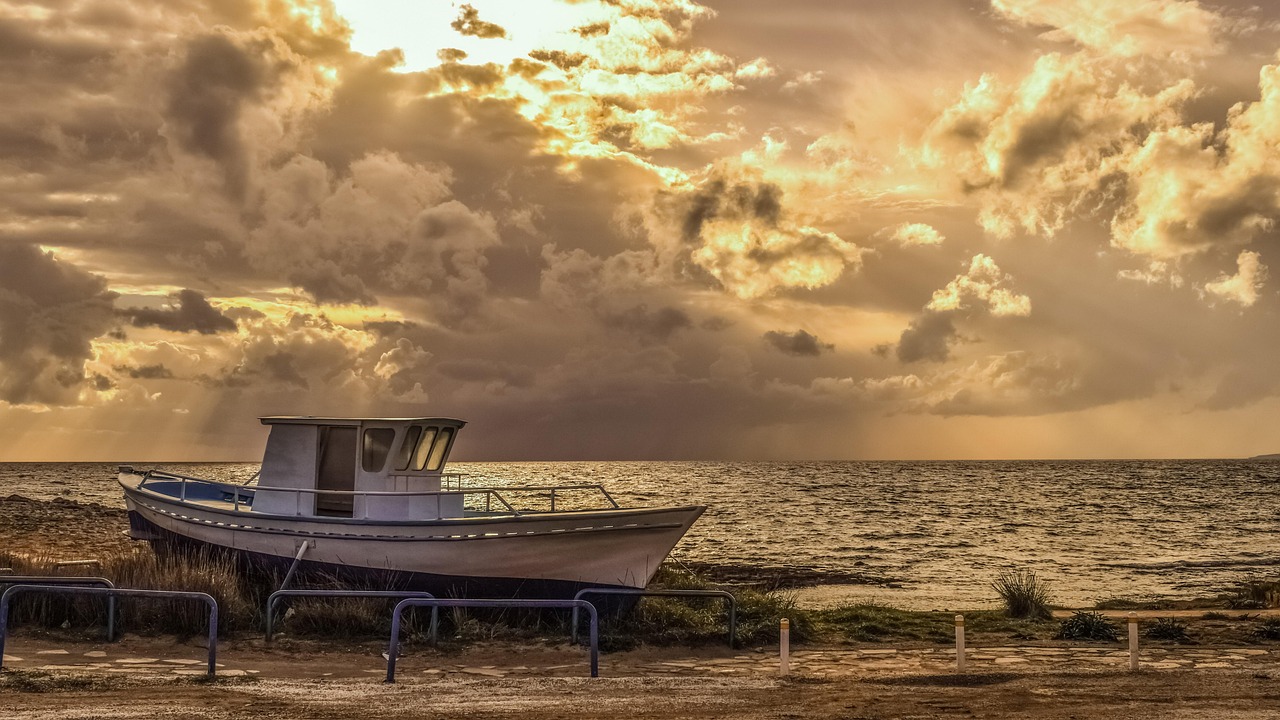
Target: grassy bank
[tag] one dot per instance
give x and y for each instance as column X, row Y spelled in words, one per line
column 655, row 621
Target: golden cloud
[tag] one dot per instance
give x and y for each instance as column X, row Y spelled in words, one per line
column 1242, row 287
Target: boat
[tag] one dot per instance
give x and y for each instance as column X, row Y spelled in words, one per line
column 369, row 498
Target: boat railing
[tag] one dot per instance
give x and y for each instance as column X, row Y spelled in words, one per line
column 551, row 492
column 241, row 497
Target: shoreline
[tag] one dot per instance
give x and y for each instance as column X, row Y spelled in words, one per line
column 62, row 529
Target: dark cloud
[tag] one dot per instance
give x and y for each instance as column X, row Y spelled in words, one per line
column 657, row 324
column 719, row 198
column 559, row 58
column 219, row 77
column 927, row 338
column 488, row 371
column 798, row 343
column 50, row 310
column 145, row 372
column 1243, row 386
column 469, row 23
column 190, row 313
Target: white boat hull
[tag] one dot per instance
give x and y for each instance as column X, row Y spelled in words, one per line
column 534, row 554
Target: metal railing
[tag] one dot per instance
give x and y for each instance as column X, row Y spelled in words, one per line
column 727, row 596
column 277, row 595
column 112, row 593
column 243, row 497
column 65, row 580
column 393, row 648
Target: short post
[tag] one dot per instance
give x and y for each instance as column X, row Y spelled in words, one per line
column 1133, row 641
column 784, row 647
column 959, row 643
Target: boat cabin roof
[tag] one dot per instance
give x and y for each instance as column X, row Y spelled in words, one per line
column 354, row 422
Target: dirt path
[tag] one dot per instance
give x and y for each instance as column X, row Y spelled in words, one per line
column 151, row 678
column 1237, row 695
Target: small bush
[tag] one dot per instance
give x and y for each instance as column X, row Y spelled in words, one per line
column 1214, row 615
column 1085, row 625
column 1024, row 594
column 1169, row 629
column 1268, row 629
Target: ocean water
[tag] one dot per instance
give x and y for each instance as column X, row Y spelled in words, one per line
column 926, row 535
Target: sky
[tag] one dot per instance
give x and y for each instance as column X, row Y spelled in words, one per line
column 636, row 229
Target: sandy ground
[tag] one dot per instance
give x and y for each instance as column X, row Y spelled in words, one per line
column 1205, row 694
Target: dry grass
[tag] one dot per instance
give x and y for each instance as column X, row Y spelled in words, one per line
column 1025, row 596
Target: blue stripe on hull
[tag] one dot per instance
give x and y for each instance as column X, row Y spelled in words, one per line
column 324, row 574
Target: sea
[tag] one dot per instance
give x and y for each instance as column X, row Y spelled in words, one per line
column 916, row 535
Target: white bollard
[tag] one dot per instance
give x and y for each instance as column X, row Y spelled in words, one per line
column 784, row 647
column 959, row 643
column 1133, row 641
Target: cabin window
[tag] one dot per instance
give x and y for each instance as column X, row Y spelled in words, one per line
column 405, row 455
column 424, row 448
column 377, row 446
column 438, row 449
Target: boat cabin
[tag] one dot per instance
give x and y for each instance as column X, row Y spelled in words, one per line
column 338, row 467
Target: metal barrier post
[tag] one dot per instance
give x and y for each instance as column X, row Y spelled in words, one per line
column 64, row 580
column 393, row 647
column 112, row 592
column 274, row 598
column 730, row 600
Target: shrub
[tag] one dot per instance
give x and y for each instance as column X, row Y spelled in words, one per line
column 1085, row 625
column 1167, row 628
column 1024, row 594
column 1268, row 629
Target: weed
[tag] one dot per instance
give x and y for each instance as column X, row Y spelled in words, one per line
column 1085, row 625
column 1268, row 629
column 1169, row 629
column 1024, row 594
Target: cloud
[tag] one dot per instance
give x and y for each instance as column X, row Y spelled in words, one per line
column 146, row 372
column 50, row 311
column 469, row 23
column 217, row 95
column 1190, row 189
column 981, row 285
column 1126, row 29
column 191, row 312
column 657, row 324
column 1242, row 287
column 387, row 226
column 749, row 243
column 798, row 343
column 980, row 290
column 908, row 234
column 1034, row 152
column 928, row 337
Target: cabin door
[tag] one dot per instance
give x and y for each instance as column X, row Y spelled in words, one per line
column 337, row 471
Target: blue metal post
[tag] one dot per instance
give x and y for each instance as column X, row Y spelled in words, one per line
column 64, row 580
column 393, row 648
column 113, row 592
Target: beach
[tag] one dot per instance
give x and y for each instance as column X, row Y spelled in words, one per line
column 66, row 674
